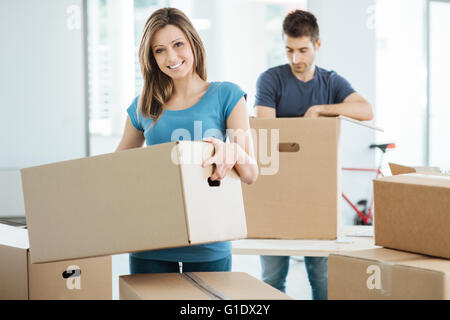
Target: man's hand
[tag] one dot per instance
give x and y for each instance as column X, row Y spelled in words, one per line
column 354, row 106
column 314, row 112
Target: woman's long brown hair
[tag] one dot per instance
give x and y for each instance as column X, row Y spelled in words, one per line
column 158, row 87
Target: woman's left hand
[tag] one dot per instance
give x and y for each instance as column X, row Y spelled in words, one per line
column 225, row 157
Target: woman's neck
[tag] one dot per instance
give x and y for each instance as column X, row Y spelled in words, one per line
column 188, row 86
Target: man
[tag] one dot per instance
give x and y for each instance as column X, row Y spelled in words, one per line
column 302, row 89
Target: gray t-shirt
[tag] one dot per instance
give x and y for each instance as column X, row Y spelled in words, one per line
column 280, row 89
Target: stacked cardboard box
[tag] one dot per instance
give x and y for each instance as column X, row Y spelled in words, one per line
column 413, row 213
column 298, row 192
column 196, row 286
column 387, row 274
column 74, row 279
column 412, row 217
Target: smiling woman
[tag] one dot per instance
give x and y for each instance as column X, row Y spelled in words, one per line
column 177, row 102
column 169, row 41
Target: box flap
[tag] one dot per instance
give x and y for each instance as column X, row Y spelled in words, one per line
column 361, row 123
column 441, row 181
column 214, row 213
column 397, row 169
column 401, row 258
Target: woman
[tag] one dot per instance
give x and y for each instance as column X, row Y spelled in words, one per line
column 177, row 96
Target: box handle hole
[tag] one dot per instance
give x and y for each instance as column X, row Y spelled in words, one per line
column 288, row 147
column 71, row 273
column 213, row 183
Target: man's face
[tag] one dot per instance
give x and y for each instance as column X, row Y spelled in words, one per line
column 301, row 53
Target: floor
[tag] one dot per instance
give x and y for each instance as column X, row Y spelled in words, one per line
column 297, row 282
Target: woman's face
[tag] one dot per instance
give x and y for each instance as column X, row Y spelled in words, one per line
column 172, row 52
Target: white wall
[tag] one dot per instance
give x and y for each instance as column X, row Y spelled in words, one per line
column 234, row 42
column 42, row 89
column 347, row 32
column 42, row 82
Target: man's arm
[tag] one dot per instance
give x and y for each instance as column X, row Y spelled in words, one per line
column 354, row 106
column 265, row 112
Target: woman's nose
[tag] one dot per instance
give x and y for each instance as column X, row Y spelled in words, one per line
column 171, row 56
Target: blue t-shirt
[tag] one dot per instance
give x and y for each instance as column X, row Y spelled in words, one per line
column 207, row 118
column 280, row 89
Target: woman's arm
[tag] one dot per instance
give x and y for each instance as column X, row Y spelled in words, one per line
column 132, row 138
column 238, row 153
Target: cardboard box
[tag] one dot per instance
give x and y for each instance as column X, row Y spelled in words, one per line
column 412, row 213
column 196, row 286
column 298, row 194
column 135, row 200
column 84, row 279
column 387, row 274
column 397, row 169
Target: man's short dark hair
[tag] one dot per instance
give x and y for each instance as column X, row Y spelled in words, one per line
column 301, row 23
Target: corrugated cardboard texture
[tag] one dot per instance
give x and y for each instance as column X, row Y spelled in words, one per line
column 397, row 169
column 240, row 286
column 13, row 273
column 412, row 213
column 50, row 281
column 207, row 217
column 166, row 286
column 21, row 280
column 387, row 274
column 301, row 200
column 129, row 201
column 104, row 205
column 174, row 286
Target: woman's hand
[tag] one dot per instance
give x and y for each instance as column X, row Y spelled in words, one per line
column 225, row 157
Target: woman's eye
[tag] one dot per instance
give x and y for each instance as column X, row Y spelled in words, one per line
column 158, row 50
column 178, row 44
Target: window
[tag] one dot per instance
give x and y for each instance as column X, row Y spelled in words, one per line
column 401, row 79
column 439, row 51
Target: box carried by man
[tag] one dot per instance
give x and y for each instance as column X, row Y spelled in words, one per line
column 298, row 192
